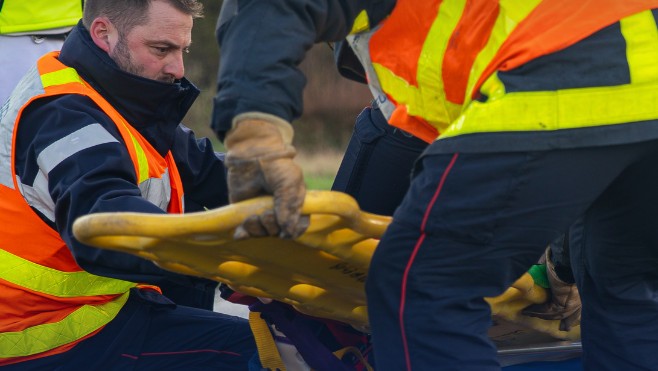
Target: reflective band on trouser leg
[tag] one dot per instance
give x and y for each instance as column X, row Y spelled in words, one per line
column 81, row 322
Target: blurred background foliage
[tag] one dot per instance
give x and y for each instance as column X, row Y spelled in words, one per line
column 331, row 103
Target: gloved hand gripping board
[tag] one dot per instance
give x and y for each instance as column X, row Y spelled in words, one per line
column 321, row 273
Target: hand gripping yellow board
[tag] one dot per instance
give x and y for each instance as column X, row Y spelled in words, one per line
column 321, row 273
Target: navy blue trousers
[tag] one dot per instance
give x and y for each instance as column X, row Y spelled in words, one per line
column 471, row 224
column 152, row 333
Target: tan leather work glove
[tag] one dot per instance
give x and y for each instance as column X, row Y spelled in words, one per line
column 563, row 303
column 259, row 161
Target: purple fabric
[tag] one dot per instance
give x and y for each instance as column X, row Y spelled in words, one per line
column 296, row 328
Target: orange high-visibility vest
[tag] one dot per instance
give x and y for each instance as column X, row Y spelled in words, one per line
column 48, row 303
column 427, row 61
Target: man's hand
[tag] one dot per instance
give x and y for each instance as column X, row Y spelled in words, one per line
column 564, row 302
column 260, row 162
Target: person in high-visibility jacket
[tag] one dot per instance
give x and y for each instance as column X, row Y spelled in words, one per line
column 96, row 128
column 545, row 111
column 29, row 29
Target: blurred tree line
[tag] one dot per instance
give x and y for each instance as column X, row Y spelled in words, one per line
column 331, row 103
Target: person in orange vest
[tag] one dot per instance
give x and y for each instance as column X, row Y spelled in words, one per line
column 545, row 112
column 29, row 29
column 376, row 170
column 96, row 128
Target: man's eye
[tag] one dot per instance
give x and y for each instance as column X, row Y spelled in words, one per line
column 161, row 50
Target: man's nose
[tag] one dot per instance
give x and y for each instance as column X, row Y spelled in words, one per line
column 175, row 66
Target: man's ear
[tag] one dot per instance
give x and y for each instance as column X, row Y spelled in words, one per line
column 103, row 32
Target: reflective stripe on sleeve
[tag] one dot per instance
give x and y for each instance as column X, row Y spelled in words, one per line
column 87, row 137
column 38, row 196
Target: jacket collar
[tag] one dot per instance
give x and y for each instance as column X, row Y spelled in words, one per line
column 143, row 102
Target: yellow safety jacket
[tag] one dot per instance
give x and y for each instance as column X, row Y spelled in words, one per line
column 47, row 302
column 426, row 77
column 21, row 16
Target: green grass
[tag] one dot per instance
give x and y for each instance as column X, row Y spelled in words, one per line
column 319, row 182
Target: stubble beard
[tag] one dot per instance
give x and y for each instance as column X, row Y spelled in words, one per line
column 121, row 56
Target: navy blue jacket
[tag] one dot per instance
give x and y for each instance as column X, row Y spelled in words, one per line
column 102, row 178
column 261, row 44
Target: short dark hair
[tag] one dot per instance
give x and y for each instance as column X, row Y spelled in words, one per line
column 126, row 14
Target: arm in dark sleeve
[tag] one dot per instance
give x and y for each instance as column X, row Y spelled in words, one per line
column 92, row 173
column 202, row 171
column 261, row 46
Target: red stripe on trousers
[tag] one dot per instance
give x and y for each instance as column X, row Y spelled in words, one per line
column 413, row 257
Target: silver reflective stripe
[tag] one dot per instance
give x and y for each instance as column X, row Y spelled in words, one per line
column 87, row 137
column 360, row 44
column 157, row 190
column 38, row 196
column 30, row 86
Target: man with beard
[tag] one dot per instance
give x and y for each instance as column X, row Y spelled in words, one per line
column 96, row 128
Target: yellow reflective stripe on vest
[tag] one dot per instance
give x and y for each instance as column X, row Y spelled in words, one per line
column 574, row 108
column 60, row 77
column 562, row 109
column 36, row 15
column 80, row 323
column 507, row 20
column 68, row 75
column 53, row 282
column 361, row 23
column 428, row 100
column 641, row 36
column 142, row 160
